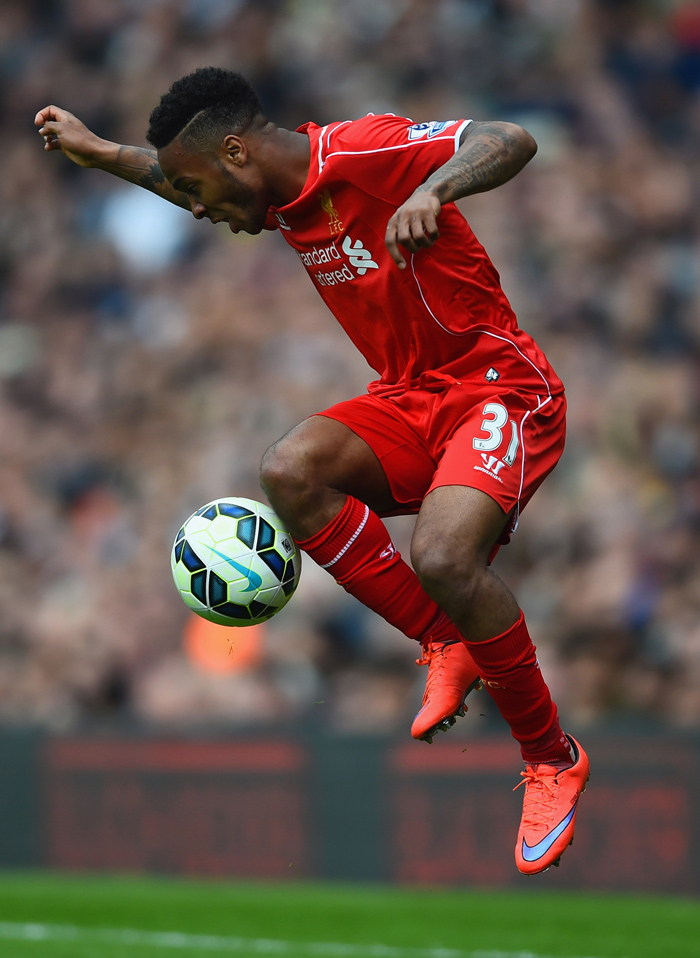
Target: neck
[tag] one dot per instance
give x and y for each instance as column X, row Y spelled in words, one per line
column 284, row 156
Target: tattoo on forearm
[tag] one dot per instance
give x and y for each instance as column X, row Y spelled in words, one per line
column 141, row 166
column 489, row 157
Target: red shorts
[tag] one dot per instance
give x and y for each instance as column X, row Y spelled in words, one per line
column 449, row 433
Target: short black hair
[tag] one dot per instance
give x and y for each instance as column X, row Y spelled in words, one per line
column 206, row 104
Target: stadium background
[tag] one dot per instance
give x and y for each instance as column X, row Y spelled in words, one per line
column 147, row 361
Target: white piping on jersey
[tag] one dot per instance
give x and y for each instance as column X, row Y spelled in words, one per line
column 385, row 149
column 522, row 446
column 321, row 161
column 467, row 332
column 320, row 149
column 459, row 132
column 425, row 303
column 331, row 132
column 504, row 339
column 350, row 541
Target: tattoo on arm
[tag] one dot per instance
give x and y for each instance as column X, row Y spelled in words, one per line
column 140, row 165
column 490, row 155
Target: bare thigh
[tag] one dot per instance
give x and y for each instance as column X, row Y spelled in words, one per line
column 460, row 523
column 308, row 473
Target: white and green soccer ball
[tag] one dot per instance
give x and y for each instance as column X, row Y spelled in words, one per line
column 234, row 563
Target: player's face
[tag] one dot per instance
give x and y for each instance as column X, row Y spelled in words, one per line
column 217, row 190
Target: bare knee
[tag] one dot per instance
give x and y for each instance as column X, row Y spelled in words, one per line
column 295, row 475
column 449, row 571
column 288, row 474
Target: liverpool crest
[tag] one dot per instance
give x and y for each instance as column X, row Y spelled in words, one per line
column 334, row 224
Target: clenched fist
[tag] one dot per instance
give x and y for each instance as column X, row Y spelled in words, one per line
column 63, row 131
column 413, row 225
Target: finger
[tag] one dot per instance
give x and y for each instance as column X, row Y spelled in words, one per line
column 405, row 236
column 424, row 232
column 430, row 227
column 417, row 230
column 48, row 113
column 51, row 139
column 50, row 123
column 392, row 245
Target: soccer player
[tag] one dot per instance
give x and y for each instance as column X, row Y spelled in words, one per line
column 466, row 417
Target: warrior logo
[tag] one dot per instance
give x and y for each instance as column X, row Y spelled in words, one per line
column 283, row 225
column 492, row 375
column 492, row 465
column 334, row 224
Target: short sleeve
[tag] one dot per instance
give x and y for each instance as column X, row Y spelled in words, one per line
column 389, row 156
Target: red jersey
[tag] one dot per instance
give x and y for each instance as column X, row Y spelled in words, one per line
column 445, row 313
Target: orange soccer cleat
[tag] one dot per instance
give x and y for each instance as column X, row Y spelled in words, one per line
column 452, row 675
column 550, row 804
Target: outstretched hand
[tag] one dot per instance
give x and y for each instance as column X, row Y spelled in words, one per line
column 63, row 131
column 413, row 225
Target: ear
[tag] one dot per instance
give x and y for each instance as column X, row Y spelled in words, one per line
column 235, row 149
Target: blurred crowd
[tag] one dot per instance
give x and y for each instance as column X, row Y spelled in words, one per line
column 148, row 360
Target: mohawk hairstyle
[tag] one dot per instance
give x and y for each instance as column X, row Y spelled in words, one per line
column 204, row 106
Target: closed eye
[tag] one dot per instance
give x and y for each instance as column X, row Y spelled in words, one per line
column 184, row 187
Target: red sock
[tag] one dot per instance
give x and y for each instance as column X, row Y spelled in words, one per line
column 357, row 550
column 510, row 672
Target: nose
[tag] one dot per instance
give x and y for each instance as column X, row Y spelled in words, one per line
column 198, row 210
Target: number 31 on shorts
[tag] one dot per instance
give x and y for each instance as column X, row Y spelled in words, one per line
column 495, row 418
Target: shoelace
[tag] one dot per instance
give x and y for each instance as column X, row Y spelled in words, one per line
column 539, row 804
column 433, row 657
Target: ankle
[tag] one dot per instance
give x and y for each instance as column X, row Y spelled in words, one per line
column 561, row 757
column 560, row 766
column 442, row 631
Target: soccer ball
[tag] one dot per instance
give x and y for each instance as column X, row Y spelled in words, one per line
column 234, row 563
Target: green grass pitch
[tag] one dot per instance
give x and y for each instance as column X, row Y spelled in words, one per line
column 46, row 915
